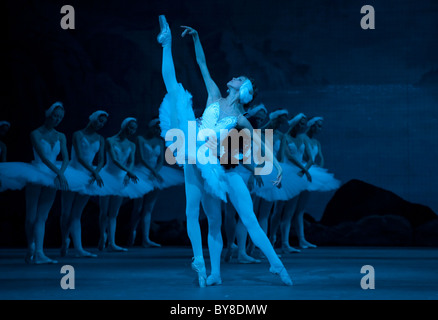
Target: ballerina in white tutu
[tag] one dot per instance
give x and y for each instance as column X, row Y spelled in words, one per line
column 150, row 167
column 322, row 180
column 265, row 196
column 285, row 210
column 120, row 182
column 211, row 183
column 47, row 144
column 4, row 128
column 87, row 145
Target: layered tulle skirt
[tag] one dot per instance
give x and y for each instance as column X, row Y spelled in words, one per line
column 171, row 176
column 291, row 184
column 322, row 180
column 176, row 112
column 116, row 184
column 16, row 175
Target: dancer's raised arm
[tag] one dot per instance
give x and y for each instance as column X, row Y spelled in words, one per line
column 212, row 89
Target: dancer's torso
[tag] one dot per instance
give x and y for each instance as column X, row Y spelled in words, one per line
column 49, row 149
column 121, row 154
column 88, row 150
column 151, row 152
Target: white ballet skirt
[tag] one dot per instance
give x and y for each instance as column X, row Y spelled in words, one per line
column 113, row 178
column 171, row 176
column 89, row 151
column 291, row 184
column 16, row 175
column 175, row 113
column 322, row 180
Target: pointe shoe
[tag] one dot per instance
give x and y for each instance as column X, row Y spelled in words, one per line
column 284, row 276
column 214, row 280
column 164, row 37
column 199, row 266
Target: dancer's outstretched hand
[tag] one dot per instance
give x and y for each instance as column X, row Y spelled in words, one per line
column 277, row 182
column 259, row 181
column 61, row 182
column 189, row 30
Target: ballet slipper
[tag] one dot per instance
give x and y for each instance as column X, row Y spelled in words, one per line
column 64, row 247
column 305, row 244
column 150, row 244
column 288, row 249
column 41, row 258
column 246, row 259
column 85, row 254
column 199, row 266
column 214, row 280
column 282, row 272
column 116, row 248
column 164, row 37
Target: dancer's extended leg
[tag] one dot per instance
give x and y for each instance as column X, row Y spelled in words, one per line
column 241, row 199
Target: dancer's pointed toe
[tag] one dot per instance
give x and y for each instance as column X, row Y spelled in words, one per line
column 198, row 265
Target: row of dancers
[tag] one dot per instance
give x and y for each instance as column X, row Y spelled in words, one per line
column 137, row 171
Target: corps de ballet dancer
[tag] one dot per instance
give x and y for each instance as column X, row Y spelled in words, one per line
column 234, row 228
column 41, row 180
column 4, row 128
column 263, row 201
column 87, row 145
column 284, row 211
column 322, row 180
column 150, row 167
column 120, row 182
column 210, row 183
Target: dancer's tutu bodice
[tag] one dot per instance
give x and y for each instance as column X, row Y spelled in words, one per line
column 210, row 119
column 88, row 150
column 151, row 153
column 297, row 152
column 121, row 156
column 50, row 151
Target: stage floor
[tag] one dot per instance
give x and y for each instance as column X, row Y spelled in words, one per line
column 324, row 273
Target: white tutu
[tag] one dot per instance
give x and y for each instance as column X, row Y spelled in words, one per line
column 175, row 113
column 322, row 180
column 16, row 175
column 171, row 176
column 291, row 184
column 113, row 179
